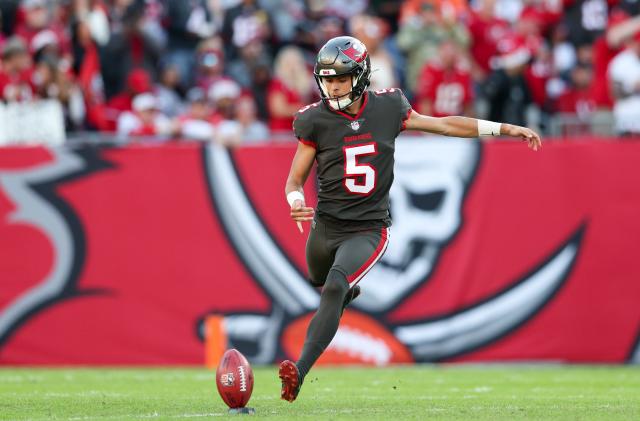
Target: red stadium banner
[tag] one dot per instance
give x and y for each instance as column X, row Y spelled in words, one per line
column 118, row 255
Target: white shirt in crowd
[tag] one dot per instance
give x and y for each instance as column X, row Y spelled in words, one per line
column 624, row 70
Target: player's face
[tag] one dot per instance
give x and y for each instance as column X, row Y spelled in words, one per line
column 337, row 86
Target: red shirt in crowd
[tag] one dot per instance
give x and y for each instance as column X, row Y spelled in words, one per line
column 580, row 102
column 485, row 35
column 17, row 87
column 602, row 56
column 449, row 91
column 537, row 75
column 38, row 38
column 292, row 98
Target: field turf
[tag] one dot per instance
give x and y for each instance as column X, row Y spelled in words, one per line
column 440, row 392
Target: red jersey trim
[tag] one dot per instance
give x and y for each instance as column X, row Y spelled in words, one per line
column 308, row 142
column 405, row 118
column 354, row 278
column 357, row 116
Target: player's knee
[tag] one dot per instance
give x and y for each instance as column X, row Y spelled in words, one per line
column 336, row 284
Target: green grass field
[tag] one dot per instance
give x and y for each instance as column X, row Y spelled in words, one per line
column 442, row 392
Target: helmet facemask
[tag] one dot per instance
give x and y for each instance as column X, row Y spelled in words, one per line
column 341, row 102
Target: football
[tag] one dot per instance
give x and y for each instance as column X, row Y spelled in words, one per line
column 234, row 379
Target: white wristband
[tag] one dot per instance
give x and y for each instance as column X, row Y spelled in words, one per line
column 488, row 128
column 293, row 196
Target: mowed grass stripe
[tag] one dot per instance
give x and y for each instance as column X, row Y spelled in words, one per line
column 439, row 392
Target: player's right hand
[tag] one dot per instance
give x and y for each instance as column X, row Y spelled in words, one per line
column 301, row 213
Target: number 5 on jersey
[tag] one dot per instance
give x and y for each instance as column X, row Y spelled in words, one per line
column 359, row 178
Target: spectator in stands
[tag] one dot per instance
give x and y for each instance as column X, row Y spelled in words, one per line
column 38, row 27
column 290, row 89
column 168, row 90
column 486, row 31
column 563, row 52
column 188, row 23
column 286, row 14
column 421, row 36
column 578, row 98
column 620, row 28
column 86, row 69
column 210, row 63
column 317, row 28
column 624, row 74
column 538, row 75
column 578, row 101
column 94, row 14
column 138, row 82
column 254, row 53
column 144, row 16
column 244, row 23
column 326, row 28
column 387, row 10
column 530, row 26
column 253, row 130
column 324, row 20
column 445, row 86
column 134, row 46
column 16, row 72
column 224, row 94
column 145, row 119
column 260, row 80
column 53, row 83
column 252, row 70
column 116, row 11
column 372, row 31
column 197, row 122
column 506, row 88
column 586, row 19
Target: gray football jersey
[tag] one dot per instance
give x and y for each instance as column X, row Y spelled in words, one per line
column 354, row 153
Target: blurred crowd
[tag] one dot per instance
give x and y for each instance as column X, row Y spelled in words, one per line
column 235, row 71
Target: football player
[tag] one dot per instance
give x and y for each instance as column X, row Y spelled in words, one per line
column 351, row 135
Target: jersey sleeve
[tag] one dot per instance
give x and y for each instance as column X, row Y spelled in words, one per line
column 405, row 110
column 303, row 128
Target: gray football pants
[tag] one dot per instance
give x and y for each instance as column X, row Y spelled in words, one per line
column 351, row 253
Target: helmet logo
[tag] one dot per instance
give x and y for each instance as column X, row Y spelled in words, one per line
column 327, row 72
column 356, row 51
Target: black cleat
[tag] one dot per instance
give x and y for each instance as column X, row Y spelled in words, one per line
column 291, row 383
column 352, row 294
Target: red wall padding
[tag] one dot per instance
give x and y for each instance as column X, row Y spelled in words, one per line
column 116, row 255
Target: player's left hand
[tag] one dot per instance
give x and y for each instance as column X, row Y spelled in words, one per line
column 532, row 138
column 300, row 212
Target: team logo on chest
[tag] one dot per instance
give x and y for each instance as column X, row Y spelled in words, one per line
column 355, row 124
